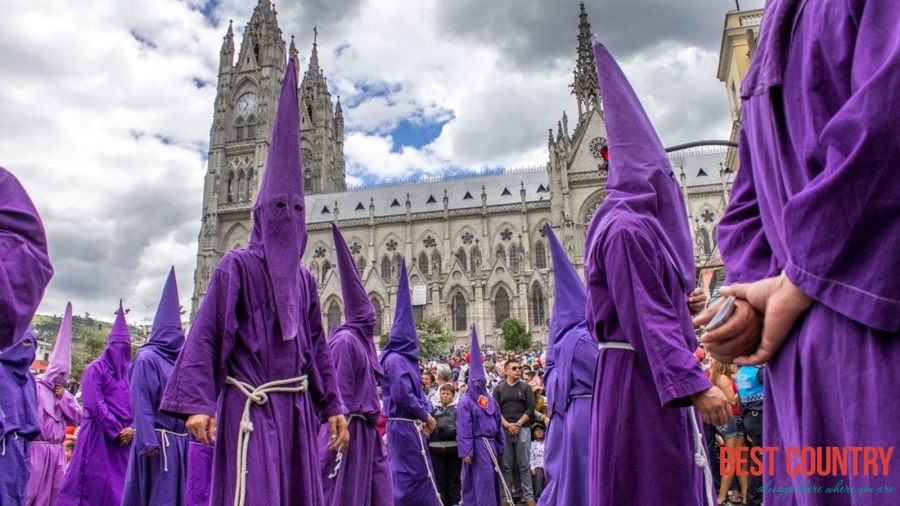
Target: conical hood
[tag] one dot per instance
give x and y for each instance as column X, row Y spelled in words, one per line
column 639, row 181
column 117, row 354
column 359, row 313
column 476, row 386
column 16, row 359
column 570, row 299
column 403, row 338
column 61, row 359
column 279, row 215
column 25, row 263
column 167, row 336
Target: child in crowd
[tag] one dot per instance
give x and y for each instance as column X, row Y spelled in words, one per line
column 444, row 448
column 537, row 459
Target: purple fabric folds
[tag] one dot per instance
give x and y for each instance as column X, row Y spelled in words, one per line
column 18, row 417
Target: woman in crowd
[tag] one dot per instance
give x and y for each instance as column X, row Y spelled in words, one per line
column 722, row 376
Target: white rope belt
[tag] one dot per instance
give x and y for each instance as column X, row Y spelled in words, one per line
column 259, row 396
column 15, row 435
column 700, row 459
column 490, row 449
column 44, row 443
column 419, row 425
column 164, row 443
column 582, row 396
column 340, row 454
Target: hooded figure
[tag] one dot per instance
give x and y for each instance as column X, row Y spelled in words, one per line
column 361, row 475
column 24, row 262
column 18, row 418
column 96, row 473
column 639, row 271
column 572, row 365
column 480, row 436
column 406, row 407
column 57, row 409
column 260, row 323
column 817, row 199
column 158, row 465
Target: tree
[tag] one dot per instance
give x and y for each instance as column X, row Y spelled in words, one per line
column 93, row 342
column 434, row 340
column 382, row 340
column 515, row 336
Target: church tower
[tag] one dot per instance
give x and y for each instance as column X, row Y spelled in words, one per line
column 246, row 100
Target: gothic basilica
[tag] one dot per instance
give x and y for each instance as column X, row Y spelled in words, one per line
column 474, row 244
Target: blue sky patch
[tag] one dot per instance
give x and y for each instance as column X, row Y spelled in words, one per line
column 414, row 134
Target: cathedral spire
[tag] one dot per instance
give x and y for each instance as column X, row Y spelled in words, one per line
column 293, row 51
column 313, row 70
column 585, row 87
column 226, row 55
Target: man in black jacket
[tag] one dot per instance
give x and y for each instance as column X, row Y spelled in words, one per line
column 516, row 400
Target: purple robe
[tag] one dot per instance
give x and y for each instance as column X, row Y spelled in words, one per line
column 479, row 434
column 817, row 197
column 25, row 266
column 48, row 453
column 645, row 444
column 199, row 474
column 18, row 418
column 96, row 473
column 405, row 401
column 363, row 477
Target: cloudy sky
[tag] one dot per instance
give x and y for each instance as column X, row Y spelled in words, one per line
column 106, row 106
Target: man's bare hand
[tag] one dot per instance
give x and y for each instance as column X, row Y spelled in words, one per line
column 781, row 303
column 152, row 453
column 712, row 405
column 431, row 424
column 467, row 460
column 738, row 336
column 124, row 438
column 697, row 300
column 340, row 435
column 203, row 428
column 58, row 391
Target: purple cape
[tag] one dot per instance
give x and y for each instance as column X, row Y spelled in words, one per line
column 161, row 479
column 48, row 455
column 18, row 418
column 639, row 270
column 364, row 475
column 238, row 333
column 817, row 196
column 24, row 262
column 479, row 434
column 96, row 473
column 572, row 354
column 405, row 401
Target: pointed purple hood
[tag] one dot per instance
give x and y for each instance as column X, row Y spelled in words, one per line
column 570, row 299
column 403, row 338
column 117, row 355
column 18, row 400
column 639, row 182
column 279, row 215
column 359, row 313
column 476, row 384
column 61, row 359
column 25, row 266
column 167, row 336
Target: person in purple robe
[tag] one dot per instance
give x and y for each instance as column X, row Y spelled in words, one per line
column 480, row 436
column 57, row 409
column 18, row 418
column 25, row 268
column 407, row 409
column 359, row 475
column 256, row 362
column 158, row 465
column 646, row 441
column 811, row 236
column 199, row 473
column 96, row 472
column 572, row 357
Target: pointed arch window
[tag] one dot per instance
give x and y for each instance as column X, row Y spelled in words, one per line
column 239, row 129
column 458, row 307
column 376, row 303
column 436, row 263
column 386, row 269
column 501, row 307
column 334, row 316
column 476, row 259
column 314, row 269
column 537, row 306
column 251, row 128
column 501, row 253
column 461, row 257
column 704, row 241
column 396, row 266
column 423, row 263
column 540, row 256
column 326, row 268
column 514, row 258
column 251, row 184
column 230, row 187
column 242, row 186
column 360, row 266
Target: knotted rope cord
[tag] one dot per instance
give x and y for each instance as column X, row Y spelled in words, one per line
column 259, row 396
column 700, row 459
column 340, row 454
column 419, row 424
column 490, row 450
column 15, row 435
column 164, row 443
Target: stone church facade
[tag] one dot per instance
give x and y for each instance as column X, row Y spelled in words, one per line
column 474, row 245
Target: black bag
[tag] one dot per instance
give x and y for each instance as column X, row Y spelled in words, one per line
column 446, row 425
